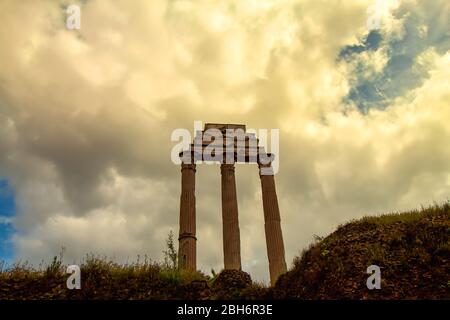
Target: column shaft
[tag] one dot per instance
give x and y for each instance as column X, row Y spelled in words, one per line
column 230, row 220
column 274, row 236
column 187, row 241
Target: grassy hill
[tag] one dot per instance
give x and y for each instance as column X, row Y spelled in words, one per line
column 412, row 248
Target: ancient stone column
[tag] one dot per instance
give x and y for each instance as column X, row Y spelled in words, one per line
column 274, row 236
column 187, row 240
column 230, row 221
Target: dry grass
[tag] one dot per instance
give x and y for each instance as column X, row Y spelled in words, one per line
column 409, row 216
column 101, row 279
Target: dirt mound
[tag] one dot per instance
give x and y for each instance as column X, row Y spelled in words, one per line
column 412, row 249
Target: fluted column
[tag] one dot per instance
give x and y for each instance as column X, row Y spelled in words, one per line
column 187, row 241
column 230, row 220
column 274, row 236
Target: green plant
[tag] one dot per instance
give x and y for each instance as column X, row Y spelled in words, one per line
column 55, row 266
column 170, row 254
column 214, row 276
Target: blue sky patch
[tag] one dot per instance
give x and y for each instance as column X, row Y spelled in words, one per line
column 400, row 74
column 7, row 211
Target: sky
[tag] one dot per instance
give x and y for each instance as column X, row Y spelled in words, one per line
column 7, row 210
column 358, row 89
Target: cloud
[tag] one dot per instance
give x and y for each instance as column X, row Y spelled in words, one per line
column 419, row 26
column 86, row 118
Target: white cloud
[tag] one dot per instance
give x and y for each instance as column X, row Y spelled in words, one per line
column 5, row 220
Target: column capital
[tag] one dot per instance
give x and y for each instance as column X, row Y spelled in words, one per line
column 265, row 164
column 265, row 169
column 227, row 167
column 188, row 166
